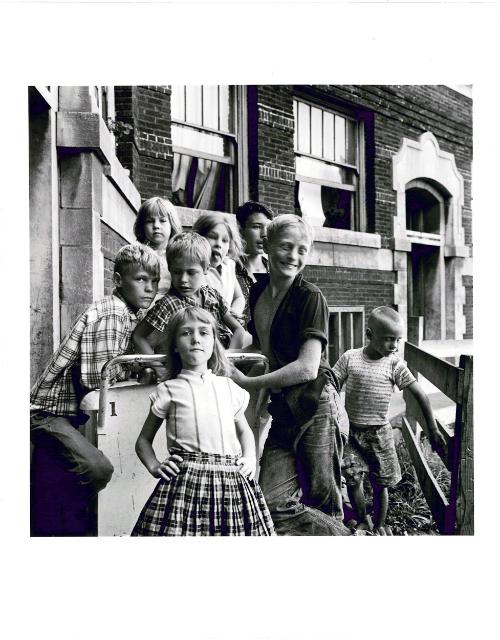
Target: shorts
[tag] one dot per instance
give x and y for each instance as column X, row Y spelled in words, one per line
column 371, row 450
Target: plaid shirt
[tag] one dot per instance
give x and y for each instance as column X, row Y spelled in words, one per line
column 99, row 334
column 211, row 300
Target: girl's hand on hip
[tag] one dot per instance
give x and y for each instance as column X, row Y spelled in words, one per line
column 247, row 467
column 167, row 469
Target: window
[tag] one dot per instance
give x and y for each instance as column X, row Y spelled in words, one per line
column 328, row 161
column 205, row 145
column 104, row 103
column 345, row 331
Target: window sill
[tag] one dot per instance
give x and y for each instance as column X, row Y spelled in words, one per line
column 188, row 216
column 344, row 236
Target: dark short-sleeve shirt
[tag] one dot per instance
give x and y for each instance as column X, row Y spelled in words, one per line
column 246, row 281
column 302, row 314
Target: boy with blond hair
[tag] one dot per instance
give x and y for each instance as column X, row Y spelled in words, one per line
column 68, row 470
column 370, row 374
column 300, row 467
column 188, row 258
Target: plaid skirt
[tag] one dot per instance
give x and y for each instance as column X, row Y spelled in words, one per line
column 209, row 497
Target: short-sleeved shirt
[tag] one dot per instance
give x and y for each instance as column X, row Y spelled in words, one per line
column 370, row 384
column 223, row 279
column 210, row 299
column 246, row 280
column 200, row 410
column 301, row 315
column 102, row 332
column 264, row 312
column 165, row 280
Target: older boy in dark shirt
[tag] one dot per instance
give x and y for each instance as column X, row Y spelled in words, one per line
column 300, row 468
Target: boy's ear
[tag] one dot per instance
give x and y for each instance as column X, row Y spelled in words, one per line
column 117, row 279
column 369, row 333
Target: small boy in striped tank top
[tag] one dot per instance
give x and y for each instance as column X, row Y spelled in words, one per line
column 370, row 374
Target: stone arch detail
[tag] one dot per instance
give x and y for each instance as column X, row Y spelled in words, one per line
column 422, row 161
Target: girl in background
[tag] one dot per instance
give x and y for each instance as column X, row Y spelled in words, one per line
column 206, row 485
column 226, row 249
column 156, row 223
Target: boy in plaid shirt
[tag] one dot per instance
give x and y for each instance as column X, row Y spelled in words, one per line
column 68, row 470
column 188, row 258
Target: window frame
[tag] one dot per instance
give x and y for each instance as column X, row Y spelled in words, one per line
column 238, row 140
column 359, row 217
column 340, row 314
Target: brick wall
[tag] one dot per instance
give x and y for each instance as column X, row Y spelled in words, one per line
column 389, row 113
column 353, row 287
column 272, row 160
column 111, row 242
column 147, row 150
column 408, row 111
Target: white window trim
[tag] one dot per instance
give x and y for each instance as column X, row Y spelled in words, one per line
column 239, row 138
column 360, row 217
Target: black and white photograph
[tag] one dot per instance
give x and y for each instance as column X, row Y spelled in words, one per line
column 311, row 246
column 254, row 241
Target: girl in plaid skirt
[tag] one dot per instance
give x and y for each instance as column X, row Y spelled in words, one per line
column 206, row 485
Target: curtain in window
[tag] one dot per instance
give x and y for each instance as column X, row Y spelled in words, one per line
column 195, row 181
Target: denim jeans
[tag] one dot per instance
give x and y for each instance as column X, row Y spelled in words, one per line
column 301, row 480
column 67, row 471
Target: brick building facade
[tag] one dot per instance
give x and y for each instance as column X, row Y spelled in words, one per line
column 414, row 150
column 382, row 172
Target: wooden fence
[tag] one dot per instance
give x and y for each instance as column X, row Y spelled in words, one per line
column 453, row 514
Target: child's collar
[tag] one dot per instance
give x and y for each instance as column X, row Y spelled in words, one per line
column 195, row 374
column 119, row 295
column 173, row 291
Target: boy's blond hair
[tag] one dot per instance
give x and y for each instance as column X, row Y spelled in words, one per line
column 189, row 245
column 383, row 314
column 137, row 254
column 285, row 220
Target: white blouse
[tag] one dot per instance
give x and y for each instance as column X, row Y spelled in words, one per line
column 225, row 281
column 200, row 411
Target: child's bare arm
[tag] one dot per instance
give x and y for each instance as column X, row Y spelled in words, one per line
column 142, row 337
column 248, row 461
column 238, row 303
column 146, row 454
column 145, row 338
column 303, row 369
column 238, row 338
column 420, row 396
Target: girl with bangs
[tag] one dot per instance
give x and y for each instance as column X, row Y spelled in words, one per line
column 156, row 223
column 206, row 485
column 226, row 252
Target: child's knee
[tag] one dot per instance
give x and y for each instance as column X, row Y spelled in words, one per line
column 353, row 481
column 99, row 472
column 377, row 486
